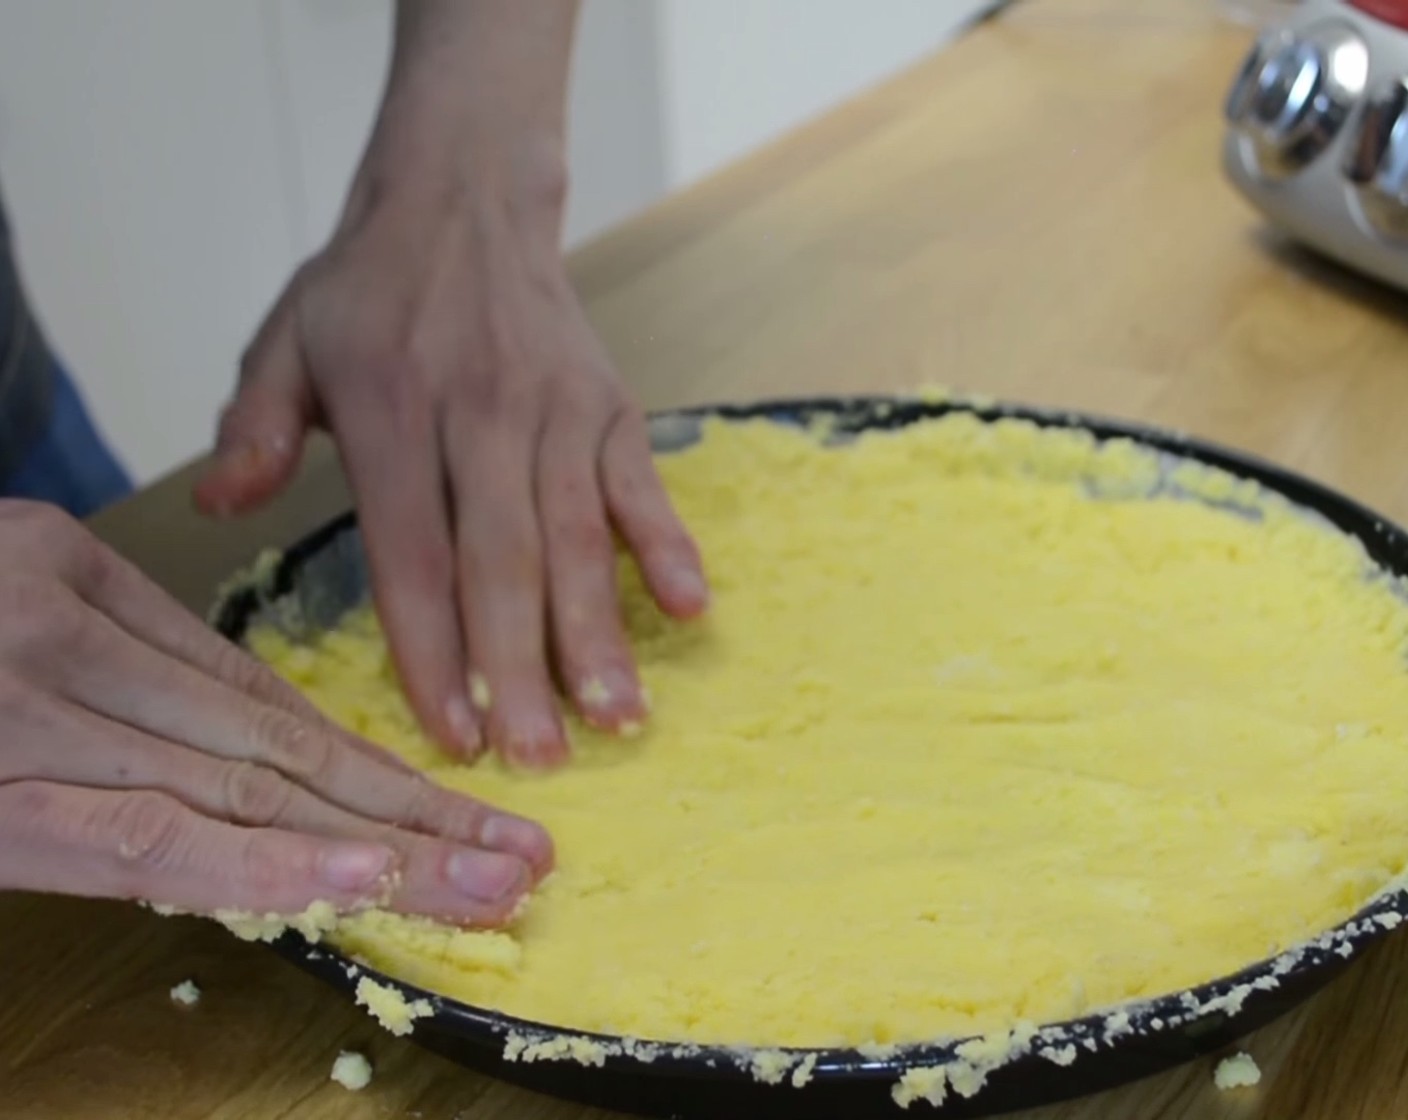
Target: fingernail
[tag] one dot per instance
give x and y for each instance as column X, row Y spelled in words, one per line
column 687, row 583
column 462, row 724
column 352, row 866
column 516, row 837
column 239, row 457
column 486, row 876
column 607, row 689
column 250, row 455
column 533, row 738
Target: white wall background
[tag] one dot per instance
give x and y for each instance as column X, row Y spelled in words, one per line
column 168, row 162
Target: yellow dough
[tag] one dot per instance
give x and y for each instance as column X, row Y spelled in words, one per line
column 976, row 733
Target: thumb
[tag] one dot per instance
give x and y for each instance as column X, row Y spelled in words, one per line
column 262, row 429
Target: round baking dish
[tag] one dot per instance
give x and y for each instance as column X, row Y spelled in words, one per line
column 326, row 575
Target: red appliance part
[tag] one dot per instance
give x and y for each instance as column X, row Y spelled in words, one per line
column 1390, row 11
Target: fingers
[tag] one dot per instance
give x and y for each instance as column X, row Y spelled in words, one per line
column 109, row 673
column 148, row 845
column 501, row 587
column 592, row 653
column 262, row 430
column 121, row 593
column 641, row 510
column 390, row 450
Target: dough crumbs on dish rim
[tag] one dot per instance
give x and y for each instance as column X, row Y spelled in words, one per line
column 390, row 1008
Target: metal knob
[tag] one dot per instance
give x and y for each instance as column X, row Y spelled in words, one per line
column 1295, row 92
column 1376, row 160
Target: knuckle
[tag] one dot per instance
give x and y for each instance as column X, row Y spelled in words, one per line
column 46, row 523
column 428, row 566
column 41, row 614
column 291, row 745
column 246, row 675
column 16, row 700
column 33, row 717
column 145, row 828
column 89, row 562
column 579, row 533
column 521, row 561
column 32, row 811
column 255, row 795
column 393, row 381
column 418, row 808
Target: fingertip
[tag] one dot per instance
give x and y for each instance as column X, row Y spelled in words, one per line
column 355, row 867
column 541, row 752
column 610, row 699
column 464, row 735
column 525, row 839
column 244, row 474
column 490, row 879
column 681, row 590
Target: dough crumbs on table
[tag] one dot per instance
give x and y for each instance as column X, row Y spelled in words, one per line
column 186, row 993
column 1237, row 1072
column 389, row 1007
column 352, row 1071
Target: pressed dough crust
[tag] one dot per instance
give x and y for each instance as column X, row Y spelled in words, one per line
column 977, row 733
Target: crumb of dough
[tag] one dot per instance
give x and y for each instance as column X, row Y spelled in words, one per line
column 312, row 923
column 1059, row 1055
column 928, row 1085
column 770, row 1066
column 974, row 711
column 352, row 1071
column 480, row 695
column 186, row 993
column 802, row 1075
column 594, row 693
column 561, row 1048
column 1240, row 1071
column 389, row 1007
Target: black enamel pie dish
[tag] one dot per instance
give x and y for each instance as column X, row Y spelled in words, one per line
column 326, row 575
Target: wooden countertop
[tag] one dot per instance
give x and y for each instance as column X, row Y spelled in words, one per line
column 1036, row 213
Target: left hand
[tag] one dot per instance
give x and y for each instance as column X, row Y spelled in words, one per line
column 492, row 450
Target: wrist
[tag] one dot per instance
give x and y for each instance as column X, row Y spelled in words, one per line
column 522, row 177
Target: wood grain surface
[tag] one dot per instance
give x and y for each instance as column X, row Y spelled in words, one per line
column 1036, row 213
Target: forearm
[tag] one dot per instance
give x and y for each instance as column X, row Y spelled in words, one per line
column 476, row 99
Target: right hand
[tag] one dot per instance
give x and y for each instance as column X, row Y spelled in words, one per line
column 142, row 756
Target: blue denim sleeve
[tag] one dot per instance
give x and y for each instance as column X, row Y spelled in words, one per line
column 26, row 373
column 50, row 450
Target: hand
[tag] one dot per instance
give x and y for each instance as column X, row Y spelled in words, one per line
column 493, row 454
column 143, row 756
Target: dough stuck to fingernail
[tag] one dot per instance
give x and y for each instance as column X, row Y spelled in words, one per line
column 594, row 693
column 480, row 693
